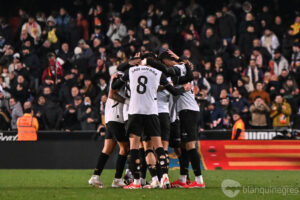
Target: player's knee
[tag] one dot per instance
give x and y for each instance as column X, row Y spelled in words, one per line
column 190, row 145
column 107, row 150
column 123, row 151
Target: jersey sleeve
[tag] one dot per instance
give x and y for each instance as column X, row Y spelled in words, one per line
column 169, row 71
column 123, row 66
column 174, row 91
column 120, row 81
column 179, row 80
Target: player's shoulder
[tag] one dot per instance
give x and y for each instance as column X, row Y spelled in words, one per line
column 180, row 66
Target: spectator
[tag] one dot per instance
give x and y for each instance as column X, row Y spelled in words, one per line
column 246, row 40
column 117, row 30
column 4, row 108
column 200, row 82
column 16, row 112
column 216, row 116
column 62, row 22
column 279, row 27
column 259, row 114
column 83, row 24
column 27, row 126
column 88, row 88
column 240, row 104
column 280, row 112
column 39, row 110
column 51, row 33
column 238, row 129
column 32, row 28
column 52, row 115
column 87, row 116
column 71, row 122
column 151, row 42
column 259, row 91
column 269, row 40
column 226, row 27
column 296, row 25
column 32, row 64
column 220, row 85
column 278, row 63
column 236, row 65
column 254, row 74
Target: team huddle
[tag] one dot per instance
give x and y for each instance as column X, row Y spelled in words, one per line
column 151, row 106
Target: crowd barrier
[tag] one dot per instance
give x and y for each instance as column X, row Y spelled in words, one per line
column 79, row 149
column 250, row 154
column 250, row 134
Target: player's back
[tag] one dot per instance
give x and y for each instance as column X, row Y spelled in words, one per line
column 187, row 100
column 144, row 82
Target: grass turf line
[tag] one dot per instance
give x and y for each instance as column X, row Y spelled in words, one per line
column 72, row 184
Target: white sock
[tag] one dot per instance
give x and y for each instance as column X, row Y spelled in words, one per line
column 137, row 181
column 143, row 181
column 154, row 178
column 118, row 179
column 165, row 175
column 199, row 179
column 182, row 178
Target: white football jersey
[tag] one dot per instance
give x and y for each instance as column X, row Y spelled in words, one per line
column 172, row 108
column 163, row 101
column 114, row 109
column 187, row 100
column 144, row 82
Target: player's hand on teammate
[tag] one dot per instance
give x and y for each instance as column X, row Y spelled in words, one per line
column 173, row 54
column 135, row 60
column 113, row 76
column 187, row 86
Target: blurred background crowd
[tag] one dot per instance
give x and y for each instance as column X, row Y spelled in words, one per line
column 58, row 59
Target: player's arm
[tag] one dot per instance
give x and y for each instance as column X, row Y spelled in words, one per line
column 120, row 81
column 174, row 91
column 126, row 65
column 179, row 80
column 113, row 94
column 168, row 71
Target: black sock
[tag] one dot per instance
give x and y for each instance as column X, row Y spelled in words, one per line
column 159, row 171
column 101, row 163
column 152, row 170
column 162, row 160
column 121, row 161
column 168, row 160
column 135, row 163
column 184, row 162
column 195, row 161
column 143, row 163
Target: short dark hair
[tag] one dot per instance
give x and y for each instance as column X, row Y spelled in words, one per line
column 165, row 55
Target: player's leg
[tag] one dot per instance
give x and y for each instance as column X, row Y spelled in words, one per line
column 152, row 128
column 109, row 145
column 143, row 161
column 151, row 163
column 123, row 142
column 128, row 177
column 164, row 119
column 188, row 119
column 175, row 143
column 135, row 128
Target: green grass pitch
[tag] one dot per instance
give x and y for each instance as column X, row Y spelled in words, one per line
column 72, row 184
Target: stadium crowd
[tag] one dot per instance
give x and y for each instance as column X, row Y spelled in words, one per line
column 60, row 64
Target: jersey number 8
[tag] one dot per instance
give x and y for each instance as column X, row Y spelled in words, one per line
column 141, row 87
